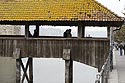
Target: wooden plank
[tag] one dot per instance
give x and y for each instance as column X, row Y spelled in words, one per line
column 18, row 71
column 93, row 54
column 68, row 66
column 69, row 71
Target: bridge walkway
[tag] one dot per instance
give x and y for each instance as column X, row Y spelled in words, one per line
column 118, row 73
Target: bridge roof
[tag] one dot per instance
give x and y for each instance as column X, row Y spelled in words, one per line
column 55, row 10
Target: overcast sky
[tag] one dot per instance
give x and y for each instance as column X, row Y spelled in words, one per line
column 114, row 5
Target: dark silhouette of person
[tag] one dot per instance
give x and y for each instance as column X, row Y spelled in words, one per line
column 67, row 33
column 35, row 33
column 121, row 47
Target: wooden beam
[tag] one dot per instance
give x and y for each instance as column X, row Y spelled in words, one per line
column 66, row 23
column 108, row 32
column 18, row 69
column 81, row 31
column 26, row 30
column 31, row 70
column 37, row 29
column 68, row 66
column 71, row 71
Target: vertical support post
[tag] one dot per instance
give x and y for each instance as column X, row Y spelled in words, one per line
column 37, row 29
column 26, row 30
column 31, row 70
column 71, row 71
column 111, row 48
column 68, row 66
column 18, row 69
column 108, row 32
column 81, row 31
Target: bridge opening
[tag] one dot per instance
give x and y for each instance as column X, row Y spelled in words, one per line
column 99, row 32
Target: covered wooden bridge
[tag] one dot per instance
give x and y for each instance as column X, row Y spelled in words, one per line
column 81, row 13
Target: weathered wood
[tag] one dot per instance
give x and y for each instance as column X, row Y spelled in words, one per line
column 66, row 54
column 31, row 70
column 71, row 71
column 37, row 29
column 26, row 30
column 93, row 54
column 68, row 71
column 18, row 69
column 108, row 32
column 81, row 31
column 68, row 66
column 81, row 49
column 16, row 54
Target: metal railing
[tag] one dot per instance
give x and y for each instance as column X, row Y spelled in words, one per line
column 102, row 76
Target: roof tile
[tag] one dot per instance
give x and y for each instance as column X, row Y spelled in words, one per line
column 54, row 10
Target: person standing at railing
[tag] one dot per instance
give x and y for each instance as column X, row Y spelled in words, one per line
column 67, row 33
column 121, row 48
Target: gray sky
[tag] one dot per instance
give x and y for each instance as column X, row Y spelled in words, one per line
column 115, row 5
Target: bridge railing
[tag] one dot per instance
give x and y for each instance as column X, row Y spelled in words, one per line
column 90, row 51
column 102, row 76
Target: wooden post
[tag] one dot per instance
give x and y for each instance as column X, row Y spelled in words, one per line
column 68, row 66
column 108, row 32
column 81, row 31
column 37, row 29
column 71, row 71
column 31, row 70
column 26, row 30
column 18, row 69
column 16, row 55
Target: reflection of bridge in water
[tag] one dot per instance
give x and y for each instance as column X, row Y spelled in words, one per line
column 91, row 51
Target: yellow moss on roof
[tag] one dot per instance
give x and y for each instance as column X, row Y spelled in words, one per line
column 54, row 10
